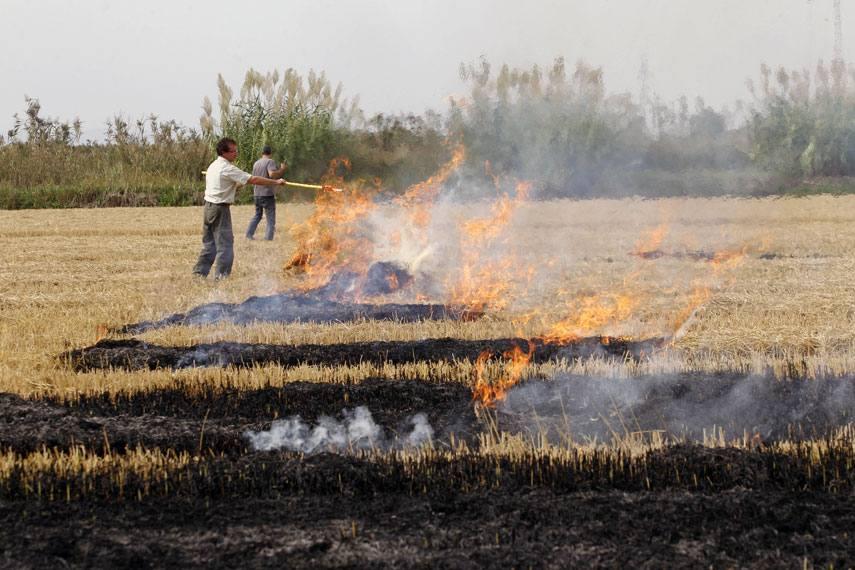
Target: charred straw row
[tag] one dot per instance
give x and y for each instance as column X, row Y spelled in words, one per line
column 78, row 475
column 135, row 354
column 306, row 399
column 214, row 420
column 296, row 308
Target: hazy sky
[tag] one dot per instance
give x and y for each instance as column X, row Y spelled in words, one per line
column 96, row 58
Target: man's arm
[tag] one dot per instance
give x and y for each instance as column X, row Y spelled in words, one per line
column 262, row 181
column 279, row 172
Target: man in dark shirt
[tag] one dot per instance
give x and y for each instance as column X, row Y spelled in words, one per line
column 263, row 196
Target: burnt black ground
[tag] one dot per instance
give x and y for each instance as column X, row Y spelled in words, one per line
column 586, row 408
column 173, row 419
column 335, row 301
column 524, row 528
column 135, row 354
column 757, row 509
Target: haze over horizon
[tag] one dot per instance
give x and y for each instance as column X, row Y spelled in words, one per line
column 96, row 59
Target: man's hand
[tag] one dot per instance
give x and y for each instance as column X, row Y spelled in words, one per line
column 280, row 182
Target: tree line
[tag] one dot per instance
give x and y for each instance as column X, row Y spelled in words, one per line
column 557, row 127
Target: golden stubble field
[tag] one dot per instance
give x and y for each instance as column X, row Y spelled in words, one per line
column 780, row 296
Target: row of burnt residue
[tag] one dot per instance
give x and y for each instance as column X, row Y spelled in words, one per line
column 135, row 354
column 715, row 409
column 340, row 300
column 128, row 445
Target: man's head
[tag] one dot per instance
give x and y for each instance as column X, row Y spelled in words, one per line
column 227, row 148
column 266, row 151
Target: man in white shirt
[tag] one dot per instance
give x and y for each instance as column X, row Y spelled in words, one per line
column 221, row 182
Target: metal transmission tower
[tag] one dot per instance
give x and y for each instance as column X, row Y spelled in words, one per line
column 838, row 34
column 838, row 66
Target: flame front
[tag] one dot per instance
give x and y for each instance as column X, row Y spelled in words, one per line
column 700, row 294
column 649, row 244
column 333, row 237
column 419, row 198
column 487, row 283
column 590, row 313
column 488, row 393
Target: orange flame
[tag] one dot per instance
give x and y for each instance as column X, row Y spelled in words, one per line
column 729, row 259
column 481, row 230
column 482, row 286
column 488, row 393
column 589, row 313
column 333, row 237
column 722, row 263
column 700, row 294
column 419, row 198
column 650, row 243
column 485, row 283
column 392, row 280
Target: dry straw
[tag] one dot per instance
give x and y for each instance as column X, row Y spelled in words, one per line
column 786, row 306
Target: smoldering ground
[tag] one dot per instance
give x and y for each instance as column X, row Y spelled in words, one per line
column 374, row 414
column 581, row 409
column 680, row 505
column 336, row 301
column 356, row 431
column 693, row 407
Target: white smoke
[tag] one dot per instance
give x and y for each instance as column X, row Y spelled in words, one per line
column 357, row 431
column 680, row 407
column 422, row 431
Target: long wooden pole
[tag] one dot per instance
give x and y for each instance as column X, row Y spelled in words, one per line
column 312, row 186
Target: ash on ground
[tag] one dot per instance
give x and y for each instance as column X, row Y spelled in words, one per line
column 339, row 300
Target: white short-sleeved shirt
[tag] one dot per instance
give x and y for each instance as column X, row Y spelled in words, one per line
column 222, row 180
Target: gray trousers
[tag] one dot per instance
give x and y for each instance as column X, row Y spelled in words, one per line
column 217, row 241
column 267, row 206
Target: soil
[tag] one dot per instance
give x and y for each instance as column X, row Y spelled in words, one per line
column 135, row 354
column 752, row 508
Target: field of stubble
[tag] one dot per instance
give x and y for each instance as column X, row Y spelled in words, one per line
column 731, row 444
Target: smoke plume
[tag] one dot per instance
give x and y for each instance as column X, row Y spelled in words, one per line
column 678, row 407
column 356, row 431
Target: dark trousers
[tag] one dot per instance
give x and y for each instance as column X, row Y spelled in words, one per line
column 263, row 205
column 217, row 241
